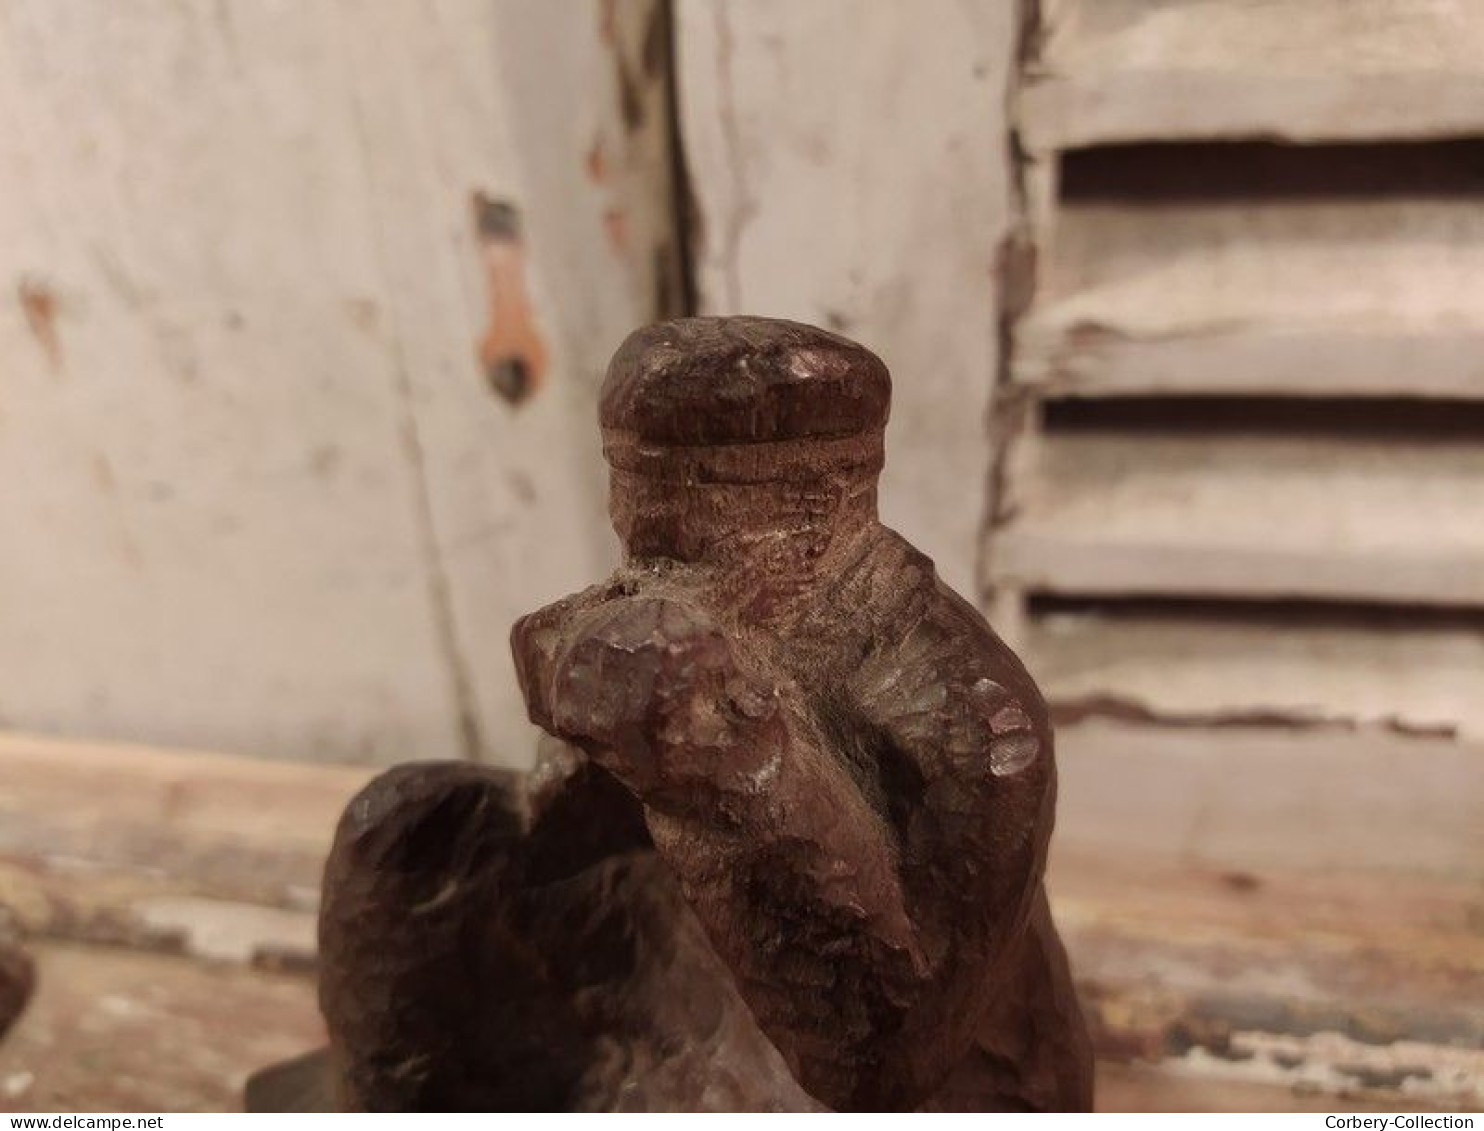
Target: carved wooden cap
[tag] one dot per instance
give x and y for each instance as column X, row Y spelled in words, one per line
column 722, row 381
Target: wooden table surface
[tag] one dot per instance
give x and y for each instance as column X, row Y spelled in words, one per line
column 170, row 899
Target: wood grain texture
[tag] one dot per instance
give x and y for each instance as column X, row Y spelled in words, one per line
column 274, row 503
column 1218, row 507
column 1322, row 668
column 1241, row 797
column 1321, row 979
column 1262, row 217
column 178, row 850
column 847, row 170
column 1119, row 70
column 116, row 1030
column 1330, row 294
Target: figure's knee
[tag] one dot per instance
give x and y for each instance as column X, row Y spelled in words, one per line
column 421, row 821
column 421, row 854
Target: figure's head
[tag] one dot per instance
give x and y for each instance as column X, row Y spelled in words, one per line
column 721, row 432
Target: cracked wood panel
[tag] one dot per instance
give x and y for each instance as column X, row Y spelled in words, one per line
column 1318, row 295
column 268, row 484
column 1319, row 667
column 1388, row 511
column 1131, row 70
column 848, row 169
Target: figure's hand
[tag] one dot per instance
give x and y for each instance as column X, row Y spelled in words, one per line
column 652, row 688
column 538, row 639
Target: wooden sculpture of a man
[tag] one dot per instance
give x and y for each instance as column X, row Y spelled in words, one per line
column 833, row 781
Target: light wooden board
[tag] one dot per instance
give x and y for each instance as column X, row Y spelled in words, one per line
column 1207, row 510
column 1321, row 296
column 848, row 170
column 1336, row 669
column 258, row 492
column 1120, row 70
column 206, row 853
column 1272, row 797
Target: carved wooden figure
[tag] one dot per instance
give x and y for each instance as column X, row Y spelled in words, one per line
column 793, row 853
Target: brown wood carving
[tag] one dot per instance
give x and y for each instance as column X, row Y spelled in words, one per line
column 17, row 974
column 792, row 854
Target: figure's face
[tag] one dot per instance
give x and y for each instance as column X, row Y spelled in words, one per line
column 654, row 519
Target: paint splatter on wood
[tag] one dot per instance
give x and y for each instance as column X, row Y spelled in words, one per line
column 511, row 353
column 616, row 225
column 39, row 304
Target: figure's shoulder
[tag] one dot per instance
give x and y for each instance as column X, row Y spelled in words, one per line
column 929, row 619
column 939, row 675
column 892, row 578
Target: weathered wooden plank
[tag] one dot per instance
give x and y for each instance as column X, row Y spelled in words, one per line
column 1157, row 950
column 1211, row 509
column 1166, row 1088
column 1367, row 361
column 174, row 849
column 117, row 1031
column 1218, row 935
column 1184, row 973
column 1283, row 295
column 864, row 188
column 1041, row 559
column 1208, row 665
column 1254, row 797
column 1120, row 70
column 1324, row 982
column 305, row 306
column 111, row 1030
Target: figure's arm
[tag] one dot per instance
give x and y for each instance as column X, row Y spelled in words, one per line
column 792, row 872
column 962, row 731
